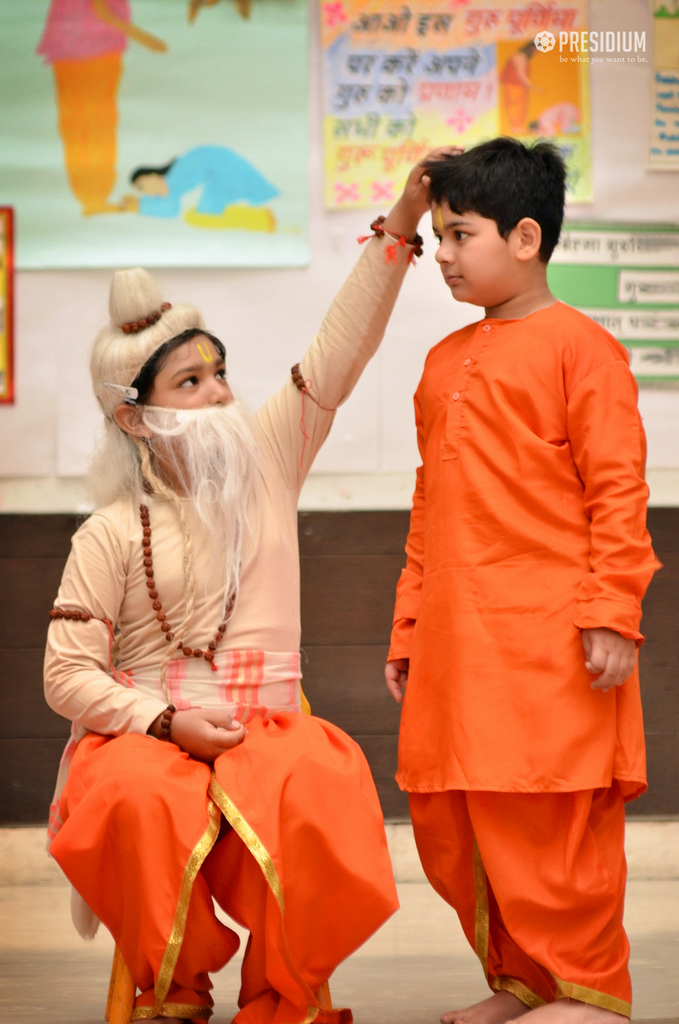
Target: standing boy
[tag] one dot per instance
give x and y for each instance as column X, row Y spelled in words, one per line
column 517, row 616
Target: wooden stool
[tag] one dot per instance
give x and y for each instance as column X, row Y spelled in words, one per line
column 121, row 992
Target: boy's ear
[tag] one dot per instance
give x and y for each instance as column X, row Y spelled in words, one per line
column 128, row 418
column 528, row 239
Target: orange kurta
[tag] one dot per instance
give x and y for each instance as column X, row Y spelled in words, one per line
column 528, row 524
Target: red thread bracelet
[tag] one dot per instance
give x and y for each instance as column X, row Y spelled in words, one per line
column 390, row 254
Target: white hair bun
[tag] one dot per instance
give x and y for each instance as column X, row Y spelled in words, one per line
column 134, row 294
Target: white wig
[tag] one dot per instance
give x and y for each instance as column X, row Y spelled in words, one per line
column 117, row 357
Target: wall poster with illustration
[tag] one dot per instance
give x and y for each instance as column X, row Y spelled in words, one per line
column 402, row 78
column 155, row 132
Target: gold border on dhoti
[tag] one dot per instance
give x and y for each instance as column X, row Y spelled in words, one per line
column 174, row 944
column 250, row 838
column 482, row 938
column 518, row 989
column 482, row 913
column 182, row 1010
column 256, row 847
column 568, row 990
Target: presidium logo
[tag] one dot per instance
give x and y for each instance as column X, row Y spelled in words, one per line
column 581, row 44
column 545, row 41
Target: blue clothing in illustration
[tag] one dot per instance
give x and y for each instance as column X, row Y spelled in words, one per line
column 225, row 176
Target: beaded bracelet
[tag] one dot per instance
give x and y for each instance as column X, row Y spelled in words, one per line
column 379, row 231
column 68, row 613
column 166, row 722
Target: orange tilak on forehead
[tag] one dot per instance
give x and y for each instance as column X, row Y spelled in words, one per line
column 205, row 350
column 438, row 218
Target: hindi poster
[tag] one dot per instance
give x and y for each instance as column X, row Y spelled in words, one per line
column 403, row 78
column 155, row 132
column 626, row 278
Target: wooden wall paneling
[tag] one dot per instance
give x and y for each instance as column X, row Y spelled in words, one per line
column 659, row 670
column 28, row 773
column 32, row 585
column 346, row 686
column 353, row 533
column 350, row 565
column 37, row 536
column 24, row 713
column 348, row 598
column 381, row 755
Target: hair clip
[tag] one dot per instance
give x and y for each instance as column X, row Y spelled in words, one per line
column 129, row 394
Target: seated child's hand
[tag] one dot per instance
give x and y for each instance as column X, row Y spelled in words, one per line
column 609, row 656
column 396, row 676
column 205, row 734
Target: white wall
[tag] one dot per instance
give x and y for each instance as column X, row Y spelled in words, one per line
column 267, row 317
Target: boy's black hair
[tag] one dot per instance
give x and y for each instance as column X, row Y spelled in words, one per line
column 143, row 382
column 505, row 180
column 150, row 170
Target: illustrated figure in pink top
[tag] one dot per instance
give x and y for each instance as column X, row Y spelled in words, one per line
column 84, row 41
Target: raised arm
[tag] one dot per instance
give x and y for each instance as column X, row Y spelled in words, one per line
column 349, row 336
column 77, row 659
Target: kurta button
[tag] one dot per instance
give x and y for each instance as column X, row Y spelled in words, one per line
column 467, row 362
column 456, row 396
column 486, row 327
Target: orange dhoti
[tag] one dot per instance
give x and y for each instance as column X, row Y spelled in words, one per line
column 538, row 882
column 304, row 866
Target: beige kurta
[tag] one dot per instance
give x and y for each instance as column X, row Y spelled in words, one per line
column 105, row 576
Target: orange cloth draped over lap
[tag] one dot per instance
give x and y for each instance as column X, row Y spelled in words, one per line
column 304, row 864
column 528, row 525
column 536, row 880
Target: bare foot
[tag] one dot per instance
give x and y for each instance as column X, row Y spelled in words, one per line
column 499, row 1009
column 572, row 1011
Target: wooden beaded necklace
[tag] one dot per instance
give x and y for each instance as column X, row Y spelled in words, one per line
column 188, row 652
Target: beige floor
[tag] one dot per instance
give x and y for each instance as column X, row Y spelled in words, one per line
column 417, row 966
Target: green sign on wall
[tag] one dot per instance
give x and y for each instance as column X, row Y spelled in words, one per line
column 626, row 277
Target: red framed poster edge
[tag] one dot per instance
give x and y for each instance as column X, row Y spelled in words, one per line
column 7, row 213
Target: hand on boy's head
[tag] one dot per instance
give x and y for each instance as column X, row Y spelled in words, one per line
column 609, row 656
column 416, row 188
column 414, row 201
column 396, row 677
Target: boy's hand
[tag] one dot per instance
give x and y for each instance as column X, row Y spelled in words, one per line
column 610, row 654
column 205, row 734
column 396, row 676
column 414, row 202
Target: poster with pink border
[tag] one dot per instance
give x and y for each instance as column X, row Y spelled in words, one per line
column 403, row 78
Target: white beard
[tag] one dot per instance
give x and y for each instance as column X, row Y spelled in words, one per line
column 212, row 455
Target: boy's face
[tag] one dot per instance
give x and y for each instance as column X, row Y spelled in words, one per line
column 477, row 263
